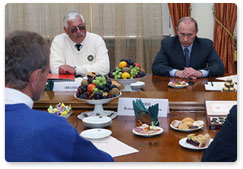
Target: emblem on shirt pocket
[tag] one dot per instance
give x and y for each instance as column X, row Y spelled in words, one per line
column 90, row 58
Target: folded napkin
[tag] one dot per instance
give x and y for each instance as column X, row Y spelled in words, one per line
column 149, row 116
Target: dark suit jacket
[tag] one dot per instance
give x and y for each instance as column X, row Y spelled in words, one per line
column 224, row 146
column 171, row 56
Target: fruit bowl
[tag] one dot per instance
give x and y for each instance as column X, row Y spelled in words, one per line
column 127, row 83
column 126, row 73
column 98, row 109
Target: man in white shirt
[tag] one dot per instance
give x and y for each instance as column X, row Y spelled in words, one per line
column 78, row 51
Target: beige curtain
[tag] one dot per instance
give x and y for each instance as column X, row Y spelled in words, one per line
column 131, row 31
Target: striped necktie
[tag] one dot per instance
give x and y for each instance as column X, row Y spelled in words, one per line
column 187, row 58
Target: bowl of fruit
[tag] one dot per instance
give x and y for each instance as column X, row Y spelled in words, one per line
column 98, row 90
column 126, row 73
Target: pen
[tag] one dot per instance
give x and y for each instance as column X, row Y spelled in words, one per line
column 212, row 83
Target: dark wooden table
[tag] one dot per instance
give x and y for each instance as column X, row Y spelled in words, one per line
column 185, row 102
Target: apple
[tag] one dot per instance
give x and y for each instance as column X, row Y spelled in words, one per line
column 91, row 87
column 137, row 64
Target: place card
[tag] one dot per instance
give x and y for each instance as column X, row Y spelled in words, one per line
column 125, row 106
column 219, row 107
column 67, row 85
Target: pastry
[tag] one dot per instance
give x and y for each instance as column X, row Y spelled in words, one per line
column 198, row 123
column 198, row 140
column 188, row 123
column 225, row 89
column 187, row 119
column 176, row 123
column 183, row 126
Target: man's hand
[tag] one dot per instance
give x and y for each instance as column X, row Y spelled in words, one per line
column 179, row 73
column 66, row 69
column 191, row 73
column 188, row 73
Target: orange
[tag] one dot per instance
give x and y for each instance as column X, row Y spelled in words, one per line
column 122, row 64
column 125, row 75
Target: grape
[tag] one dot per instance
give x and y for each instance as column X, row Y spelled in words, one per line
column 96, row 90
column 103, row 79
column 114, row 73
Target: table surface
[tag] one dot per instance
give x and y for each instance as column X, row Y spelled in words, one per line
column 186, row 102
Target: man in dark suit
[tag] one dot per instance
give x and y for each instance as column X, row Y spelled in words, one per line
column 224, row 146
column 187, row 56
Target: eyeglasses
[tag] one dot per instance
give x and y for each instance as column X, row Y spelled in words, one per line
column 74, row 29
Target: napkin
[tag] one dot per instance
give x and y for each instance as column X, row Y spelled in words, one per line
column 145, row 115
column 113, row 146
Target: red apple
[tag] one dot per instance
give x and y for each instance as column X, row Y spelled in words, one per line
column 91, row 87
column 137, row 64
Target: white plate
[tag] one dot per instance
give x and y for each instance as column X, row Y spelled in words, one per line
column 148, row 134
column 178, row 87
column 94, row 134
column 184, row 144
column 188, row 130
column 137, row 85
column 97, row 121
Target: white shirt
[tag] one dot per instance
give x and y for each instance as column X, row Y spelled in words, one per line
column 13, row 96
column 92, row 57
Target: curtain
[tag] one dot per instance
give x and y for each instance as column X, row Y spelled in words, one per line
column 177, row 11
column 225, row 21
column 131, row 31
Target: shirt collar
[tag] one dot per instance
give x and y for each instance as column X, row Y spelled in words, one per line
column 73, row 43
column 13, row 96
column 189, row 48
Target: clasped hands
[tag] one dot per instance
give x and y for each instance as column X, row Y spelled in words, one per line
column 66, row 69
column 188, row 72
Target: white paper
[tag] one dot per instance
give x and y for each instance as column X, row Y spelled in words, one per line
column 67, row 85
column 216, row 86
column 113, row 146
column 125, row 106
column 219, row 107
column 233, row 77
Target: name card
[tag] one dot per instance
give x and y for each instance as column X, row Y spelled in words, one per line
column 219, row 107
column 125, row 106
column 67, row 85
